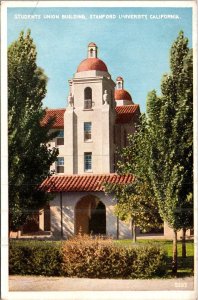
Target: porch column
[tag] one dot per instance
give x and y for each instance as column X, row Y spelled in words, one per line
column 41, row 219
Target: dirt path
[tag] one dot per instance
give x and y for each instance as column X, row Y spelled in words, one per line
column 39, row 283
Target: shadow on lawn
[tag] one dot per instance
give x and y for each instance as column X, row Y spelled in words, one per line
column 185, row 266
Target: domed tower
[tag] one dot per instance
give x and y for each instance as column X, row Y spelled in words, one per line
column 91, row 81
column 90, row 117
column 92, row 62
column 122, row 97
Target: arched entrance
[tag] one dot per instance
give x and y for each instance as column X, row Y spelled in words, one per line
column 90, row 216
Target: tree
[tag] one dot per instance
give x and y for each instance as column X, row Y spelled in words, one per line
column 160, row 153
column 170, row 120
column 29, row 156
column 136, row 201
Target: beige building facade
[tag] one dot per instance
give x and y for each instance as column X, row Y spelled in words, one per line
column 91, row 133
column 95, row 123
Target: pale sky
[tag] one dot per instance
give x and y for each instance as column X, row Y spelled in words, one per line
column 136, row 49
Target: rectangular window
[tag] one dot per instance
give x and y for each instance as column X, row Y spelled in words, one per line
column 60, row 138
column 87, row 131
column 88, row 161
column 60, row 165
column 191, row 231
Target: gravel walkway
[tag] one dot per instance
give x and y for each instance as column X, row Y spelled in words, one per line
column 39, row 283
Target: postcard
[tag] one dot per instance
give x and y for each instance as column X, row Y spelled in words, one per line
column 99, row 124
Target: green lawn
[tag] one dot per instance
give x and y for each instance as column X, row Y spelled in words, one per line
column 185, row 265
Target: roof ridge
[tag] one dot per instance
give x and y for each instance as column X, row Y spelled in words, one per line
column 55, row 109
column 88, row 175
column 128, row 105
column 93, row 182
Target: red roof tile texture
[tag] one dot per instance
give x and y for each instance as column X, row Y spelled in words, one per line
column 81, row 183
column 127, row 113
column 92, row 64
column 58, row 114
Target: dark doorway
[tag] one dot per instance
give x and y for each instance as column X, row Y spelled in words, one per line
column 32, row 224
column 90, row 216
column 97, row 223
column 47, row 220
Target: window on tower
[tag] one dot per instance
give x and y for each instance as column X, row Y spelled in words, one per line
column 87, row 131
column 60, row 165
column 87, row 98
column 88, row 161
column 119, row 85
column 60, row 138
column 91, row 52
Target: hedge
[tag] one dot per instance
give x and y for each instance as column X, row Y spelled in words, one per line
column 85, row 256
column 35, row 258
column 88, row 257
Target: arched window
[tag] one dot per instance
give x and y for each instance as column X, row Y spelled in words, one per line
column 119, row 85
column 87, row 98
column 91, row 52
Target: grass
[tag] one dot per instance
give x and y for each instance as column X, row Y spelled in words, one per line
column 185, row 265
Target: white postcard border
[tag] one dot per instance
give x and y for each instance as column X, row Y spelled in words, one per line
column 162, row 295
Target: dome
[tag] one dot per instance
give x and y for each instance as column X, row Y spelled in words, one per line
column 92, row 44
column 122, row 95
column 90, row 64
column 119, row 78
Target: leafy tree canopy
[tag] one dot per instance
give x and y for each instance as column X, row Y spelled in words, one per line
column 136, row 201
column 29, row 156
column 160, row 153
column 170, row 123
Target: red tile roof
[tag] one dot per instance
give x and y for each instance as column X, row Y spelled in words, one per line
column 92, row 64
column 127, row 113
column 80, row 183
column 58, row 114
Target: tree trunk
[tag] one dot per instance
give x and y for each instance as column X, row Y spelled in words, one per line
column 117, row 235
column 174, row 261
column 133, row 230
column 183, row 242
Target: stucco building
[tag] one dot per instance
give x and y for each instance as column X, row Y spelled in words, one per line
column 99, row 115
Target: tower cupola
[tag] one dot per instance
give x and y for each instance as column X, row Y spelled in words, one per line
column 92, row 62
column 119, row 83
column 122, row 97
column 92, row 50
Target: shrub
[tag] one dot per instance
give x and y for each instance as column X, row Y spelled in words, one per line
column 34, row 258
column 151, row 262
column 85, row 256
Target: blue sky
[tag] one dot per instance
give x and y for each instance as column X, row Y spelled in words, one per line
column 136, row 49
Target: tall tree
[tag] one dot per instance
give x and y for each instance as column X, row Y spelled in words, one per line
column 136, row 201
column 170, row 120
column 160, row 153
column 29, row 156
